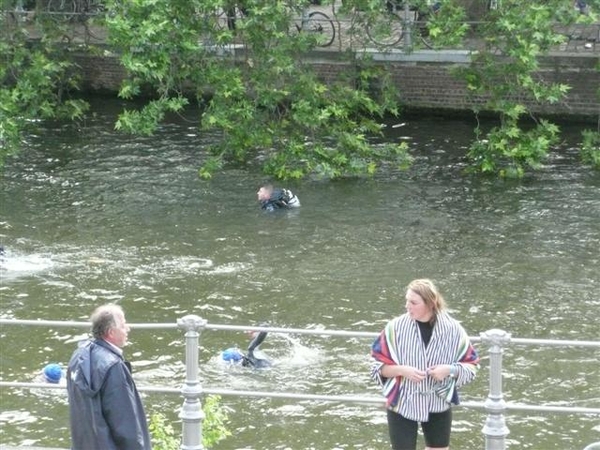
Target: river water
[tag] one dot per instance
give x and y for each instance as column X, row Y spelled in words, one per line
column 90, row 216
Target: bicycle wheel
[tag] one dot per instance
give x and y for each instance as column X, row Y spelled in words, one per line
column 61, row 6
column 387, row 30
column 421, row 30
column 322, row 27
column 423, row 34
column 426, row 42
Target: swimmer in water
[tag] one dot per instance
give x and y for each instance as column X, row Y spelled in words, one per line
column 53, row 374
column 251, row 358
column 271, row 199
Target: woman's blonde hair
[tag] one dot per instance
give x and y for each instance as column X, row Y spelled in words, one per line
column 430, row 295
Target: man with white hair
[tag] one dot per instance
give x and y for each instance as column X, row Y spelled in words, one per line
column 105, row 407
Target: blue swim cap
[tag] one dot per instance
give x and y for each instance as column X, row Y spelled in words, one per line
column 231, row 355
column 53, row 373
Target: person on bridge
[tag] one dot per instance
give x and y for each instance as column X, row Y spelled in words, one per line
column 271, row 199
column 253, row 358
column 582, row 6
column 232, row 9
column 420, row 359
column 105, row 407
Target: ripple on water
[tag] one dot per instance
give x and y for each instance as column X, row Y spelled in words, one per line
column 126, row 219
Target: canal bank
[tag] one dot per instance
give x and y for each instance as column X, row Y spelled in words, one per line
column 425, row 78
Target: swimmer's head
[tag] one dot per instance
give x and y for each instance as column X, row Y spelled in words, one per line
column 53, row 373
column 232, row 355
column 264, row 193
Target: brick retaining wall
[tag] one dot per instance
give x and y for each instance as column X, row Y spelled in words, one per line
column 425, row 80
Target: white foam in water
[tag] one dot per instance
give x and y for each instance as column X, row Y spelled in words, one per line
column 230, row 268
column 299, row 354
column 187, row 264
column 15, row 265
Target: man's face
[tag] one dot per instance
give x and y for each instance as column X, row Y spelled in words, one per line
column 263, row 194
column 118, row 334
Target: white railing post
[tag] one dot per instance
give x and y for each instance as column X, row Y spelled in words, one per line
column 495, row 429
column 191, row 413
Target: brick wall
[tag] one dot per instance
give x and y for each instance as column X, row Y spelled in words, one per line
column 422, row 84
column 101, row 74
column 426, row 85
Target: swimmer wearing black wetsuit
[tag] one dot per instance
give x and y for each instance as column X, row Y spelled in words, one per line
column 271, row 199
column 250, row 359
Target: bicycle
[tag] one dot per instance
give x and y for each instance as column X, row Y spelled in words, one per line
column 73, row 8
column 316, row 23
column 389, row 30
column 79, row 19
column 319, row 24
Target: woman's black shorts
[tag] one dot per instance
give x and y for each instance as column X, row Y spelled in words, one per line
column 403, row 432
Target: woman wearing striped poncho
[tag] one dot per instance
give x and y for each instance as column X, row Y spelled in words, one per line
column 421, row 359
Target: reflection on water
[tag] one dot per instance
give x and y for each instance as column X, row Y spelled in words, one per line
column 92, row 217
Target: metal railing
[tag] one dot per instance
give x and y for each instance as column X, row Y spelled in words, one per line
column 495, row 429
column 349, row 27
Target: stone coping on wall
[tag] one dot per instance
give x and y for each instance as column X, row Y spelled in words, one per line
column 442, row 56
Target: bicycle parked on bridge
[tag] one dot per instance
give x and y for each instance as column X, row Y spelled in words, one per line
column 76, row 10
column 317, row 23
column 390, row 30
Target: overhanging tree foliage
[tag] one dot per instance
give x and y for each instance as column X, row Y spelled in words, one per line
column 265, row 102
column 505, row 72
column 36, row 80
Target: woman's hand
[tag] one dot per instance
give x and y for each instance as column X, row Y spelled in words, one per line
column 413, row 374
column 439, row 372
column 410, row 373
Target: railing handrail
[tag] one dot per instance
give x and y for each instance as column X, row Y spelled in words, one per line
column 378, row 401
column 348, row 19
column 323, row 331
column 495, row 429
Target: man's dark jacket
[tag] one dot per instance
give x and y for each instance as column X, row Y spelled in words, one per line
column 105, row 407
